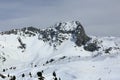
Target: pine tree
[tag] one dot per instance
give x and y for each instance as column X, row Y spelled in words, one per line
column 54, row 76
column 8, row 75
column 13, row 78
column 23, row 75
column 30, row 74
column 3, row 70
column 40, row 77
column 39, row 74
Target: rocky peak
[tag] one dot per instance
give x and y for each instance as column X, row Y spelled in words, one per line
column 76, row 29
column 63, row 31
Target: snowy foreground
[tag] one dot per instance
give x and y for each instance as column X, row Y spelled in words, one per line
column 30, row 54
column 69, row 61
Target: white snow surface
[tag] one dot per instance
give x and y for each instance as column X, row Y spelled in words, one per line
column 70, row 62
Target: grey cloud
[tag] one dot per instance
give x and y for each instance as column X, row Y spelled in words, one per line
column 99, row 17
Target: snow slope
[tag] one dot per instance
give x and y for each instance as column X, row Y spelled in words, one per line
column 69, row 61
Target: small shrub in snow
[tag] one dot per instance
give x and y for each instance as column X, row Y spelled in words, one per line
column 13, row 78
column 30, row 74
column 51, row 60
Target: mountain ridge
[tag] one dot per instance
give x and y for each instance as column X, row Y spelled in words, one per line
column 73, row 28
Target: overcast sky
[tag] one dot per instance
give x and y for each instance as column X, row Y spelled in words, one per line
column 99, row 17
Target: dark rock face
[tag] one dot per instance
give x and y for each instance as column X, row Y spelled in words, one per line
column 81, row 37
column 30, row 29
column 108, row 50
column 91, row 47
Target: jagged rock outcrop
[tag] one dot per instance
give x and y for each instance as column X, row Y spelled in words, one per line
column 81, row 37
column 28, row 31
column 63, row 30
column 56, row 34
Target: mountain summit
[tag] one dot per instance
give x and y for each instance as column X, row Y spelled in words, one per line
column 65, row 30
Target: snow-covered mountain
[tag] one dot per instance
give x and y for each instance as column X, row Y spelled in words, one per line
column 64, row 48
